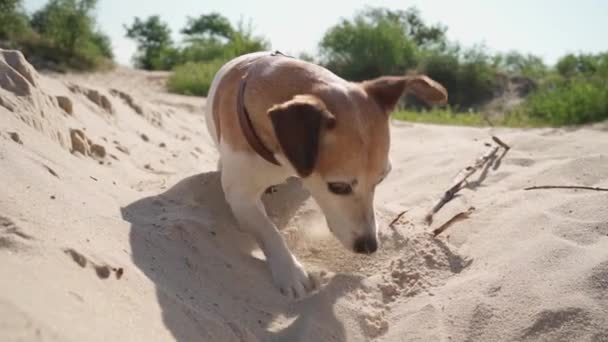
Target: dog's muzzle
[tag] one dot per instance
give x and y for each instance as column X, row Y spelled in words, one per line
column 365, row 245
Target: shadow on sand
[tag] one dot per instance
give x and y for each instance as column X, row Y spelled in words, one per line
column 208, row 284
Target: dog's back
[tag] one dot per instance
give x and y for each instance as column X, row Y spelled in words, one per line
column 210, row 115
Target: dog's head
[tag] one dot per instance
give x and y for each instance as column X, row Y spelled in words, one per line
column 339, row 147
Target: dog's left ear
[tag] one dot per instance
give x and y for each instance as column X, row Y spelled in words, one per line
column 387, row 90
column 298, row 124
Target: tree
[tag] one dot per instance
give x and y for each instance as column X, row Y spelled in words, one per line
column 212, row 26
column 13, row 20
column 211, row 36
column 66, row 34
column 523, row 65
column 68, row 23
column 583, row 65
column 153, row 38
column 378, row 42
column 468, row 74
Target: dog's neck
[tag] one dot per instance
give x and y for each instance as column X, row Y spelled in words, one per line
column 245, row 121
column 247, row 126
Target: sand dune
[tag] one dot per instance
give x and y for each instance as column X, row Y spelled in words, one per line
column 113, row 226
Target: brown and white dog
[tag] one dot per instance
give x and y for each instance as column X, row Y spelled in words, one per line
column 273, row 117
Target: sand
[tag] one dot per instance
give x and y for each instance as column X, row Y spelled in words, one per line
column 113, row 227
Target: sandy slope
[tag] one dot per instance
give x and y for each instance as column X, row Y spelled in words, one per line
column 129, row 238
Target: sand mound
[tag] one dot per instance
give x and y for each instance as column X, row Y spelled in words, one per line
column 113, row 226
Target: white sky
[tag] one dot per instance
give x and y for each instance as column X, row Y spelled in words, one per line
column 548, row 28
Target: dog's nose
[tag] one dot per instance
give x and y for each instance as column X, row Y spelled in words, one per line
column 366, row 245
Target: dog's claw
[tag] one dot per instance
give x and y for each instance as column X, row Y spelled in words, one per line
column 293, row 281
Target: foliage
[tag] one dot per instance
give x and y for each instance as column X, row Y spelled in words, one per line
column 583, row 65
column 210, row 41
column 380, row 42
column 154, row 44
column 61, row 35
column 13, row 20
column 193, row 78
column 70, row 26
column 377, row 42
column 516, row 63
column 211, row 26
column 468, row 75
column 207, row 38
column 578, row 94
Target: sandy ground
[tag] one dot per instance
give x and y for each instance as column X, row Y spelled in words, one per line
column 113, row 227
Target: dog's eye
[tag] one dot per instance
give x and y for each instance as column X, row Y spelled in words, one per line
column 340, row 188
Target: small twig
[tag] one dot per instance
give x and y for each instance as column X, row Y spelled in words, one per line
column 392, row 224
column 501, row 143
column 498, row 160
column 566, row 187
column 460, row 180
column 458, row 217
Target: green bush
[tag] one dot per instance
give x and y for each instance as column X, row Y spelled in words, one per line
column 210, row 41
column 155, row 49
column 61, row 35
column 515, row 63
column 13, row 20
column 587, row 65
column 68, row 27
column 45, row 54
column 207, row 38
column 469, row 76
column 377, row 42
column 194, row 78
column 569, row 102
column 576, row 92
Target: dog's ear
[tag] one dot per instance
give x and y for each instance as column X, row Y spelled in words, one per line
column 387, row 90
column 298, row 124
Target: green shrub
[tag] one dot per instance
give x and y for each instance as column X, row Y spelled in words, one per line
column 515, row 63
column 469, row 76
column 587, row 65
column 13, row 20
column 194, row 78
column 202, row 46
column 61, row 35
column 155, row 49
column 377, row 42
column 576, row 92
column 568, row 102
column 210, row 41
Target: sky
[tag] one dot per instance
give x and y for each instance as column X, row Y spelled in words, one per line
column 547, row 28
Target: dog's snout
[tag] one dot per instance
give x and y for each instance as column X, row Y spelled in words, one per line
column 366, row 245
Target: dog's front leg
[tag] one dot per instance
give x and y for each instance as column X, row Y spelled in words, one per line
column 287, row 273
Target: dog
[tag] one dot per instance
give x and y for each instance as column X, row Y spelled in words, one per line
column 272, row 117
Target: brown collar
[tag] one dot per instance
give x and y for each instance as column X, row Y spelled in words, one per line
column 247, row 126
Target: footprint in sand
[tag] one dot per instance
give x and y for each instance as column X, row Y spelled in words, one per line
column 583, row 213
column 554, row 325
column 481, row 318
column 598, row 282
column 11, row 236
column 103, row 271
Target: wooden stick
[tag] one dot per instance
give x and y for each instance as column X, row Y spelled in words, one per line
column 458, row 217
column 501, row 143
column 459, row 180
column 566, row 187
column 392, row 224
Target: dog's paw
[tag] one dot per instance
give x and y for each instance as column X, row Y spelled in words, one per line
column 293, row 281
